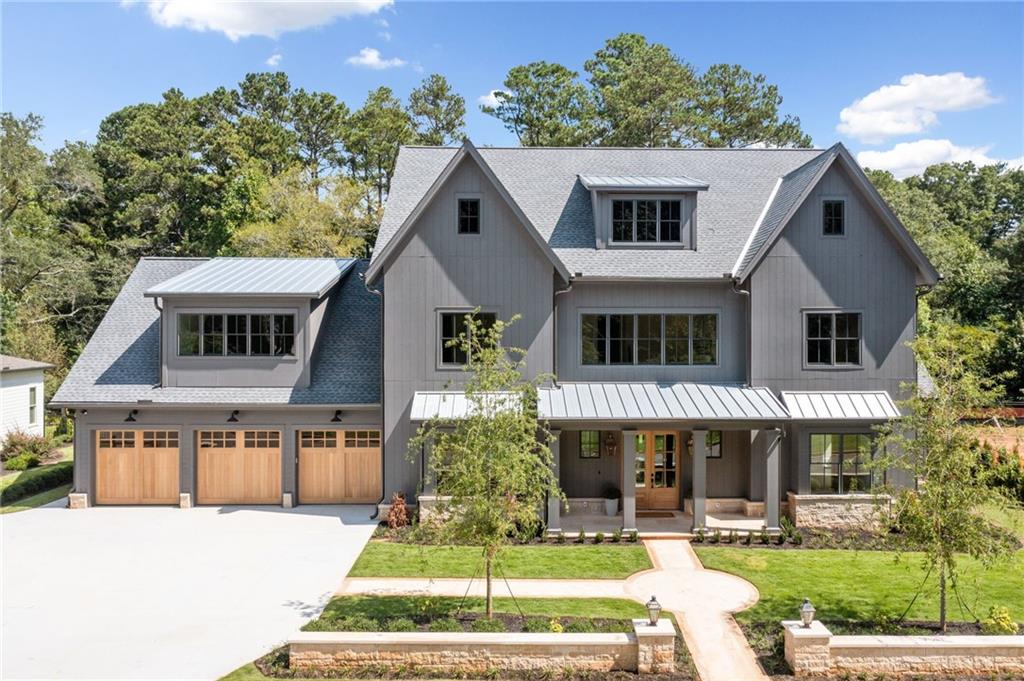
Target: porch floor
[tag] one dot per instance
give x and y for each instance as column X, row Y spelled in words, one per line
column 677, row 526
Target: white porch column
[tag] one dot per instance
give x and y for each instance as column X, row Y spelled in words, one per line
column 700, row 478
column 772, row 478
column 554, row 503
column 628, row 480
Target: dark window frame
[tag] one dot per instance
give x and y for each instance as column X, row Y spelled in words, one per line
column 468, row 224
column 281, row 333
column 658, row 227
column 830, row 339
column 838, row 469
column 455, row 353
column 713, row 444
column 590, row 449
column 597, row 350
column 833, row 223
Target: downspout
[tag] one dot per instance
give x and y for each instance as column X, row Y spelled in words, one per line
column 748, row 350
column 554, row 330
column 160, row 339
column 379, row 294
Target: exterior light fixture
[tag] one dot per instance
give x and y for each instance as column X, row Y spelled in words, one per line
column 653, row 610
column 337, row 416
column 131, row 416
column 807, row 613
column 234, row 417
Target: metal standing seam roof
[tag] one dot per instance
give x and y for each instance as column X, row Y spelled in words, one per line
column 305, row 277
column 658, row 402
column 446, row 404
column 612, row 182
column 840, row 405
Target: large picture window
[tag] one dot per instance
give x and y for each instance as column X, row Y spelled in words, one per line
column 833, row 338
column 646, row 221
column 659, row 339
column 236, row 335
column 453, row 326
column 839, row 463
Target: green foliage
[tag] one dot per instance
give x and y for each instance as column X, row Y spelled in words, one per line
column 399, row 624
column 19, row 443
column 445, row 624
column 634, row 536
column 22, row 462
column 599, row 537
column 438, row 111
column 716, row 537
column 544, row 105
column 581, row 536
column 999, row 622
column 486, row 624
column 536, row 625
column 37, row 480
column 617, row 535
column 580, row 626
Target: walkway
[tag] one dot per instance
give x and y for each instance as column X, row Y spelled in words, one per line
column 701, row 600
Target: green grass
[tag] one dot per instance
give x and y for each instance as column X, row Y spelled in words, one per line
column 385, row 559
column 1011, row 519
column 36, row 500
column 247, row 672
column 861, row 585
column 413, row 606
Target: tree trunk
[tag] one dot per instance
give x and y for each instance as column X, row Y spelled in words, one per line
column 942, row 597
column 490, row 597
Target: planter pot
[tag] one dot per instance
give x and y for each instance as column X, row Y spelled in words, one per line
column 611, row 507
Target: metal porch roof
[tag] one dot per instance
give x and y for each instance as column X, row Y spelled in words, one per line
column 447, row 404
column 840, row 405
column 300, row 277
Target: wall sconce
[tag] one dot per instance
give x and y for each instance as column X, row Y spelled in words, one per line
column 131, row 416
column 611, row 445
column 234, row 417
column 337, row 416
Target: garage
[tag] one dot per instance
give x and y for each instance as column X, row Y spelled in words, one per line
column 339, row 466
column 238, row 467
column 137, row 467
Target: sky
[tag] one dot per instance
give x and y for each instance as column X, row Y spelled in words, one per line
column 902, row 85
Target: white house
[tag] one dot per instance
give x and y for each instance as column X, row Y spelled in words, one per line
column 21, row 395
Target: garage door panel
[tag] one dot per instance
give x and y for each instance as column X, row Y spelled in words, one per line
column 239, row 467
column 341, row 466
column 137, row 467
column 160, row 475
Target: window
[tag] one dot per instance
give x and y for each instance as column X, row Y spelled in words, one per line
column 833, row 338
column 236, row 335
column 839, row 463
column 663, row 339
column 590, row 444
column 454, row 325
column 833, row 218
column 32, row 404
column 713, row 444
column 117, row 439
column 217, row 439
column 160, row 439
column 362, row 439
column 469, row 216
column 262, row 439
column 319, row 439
column 646, row 221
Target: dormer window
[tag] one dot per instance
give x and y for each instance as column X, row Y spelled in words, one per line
column 469, row 216
column 236, row 335
column 646, row 221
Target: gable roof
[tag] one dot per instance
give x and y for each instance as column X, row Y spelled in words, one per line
column 299, row 277
column 10, row 363
column 792, row 191
column 121, row 363
column 397, row 232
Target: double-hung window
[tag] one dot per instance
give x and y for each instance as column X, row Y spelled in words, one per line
column 32, row 397
column 646, row 221
column 236, row 335
column 454, row 326
column 658, row 339
column 839, row 463
column 833, row 338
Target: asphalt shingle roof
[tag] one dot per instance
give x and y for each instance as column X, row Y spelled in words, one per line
column 120, row 364
column 12, row 363
column 544, row 183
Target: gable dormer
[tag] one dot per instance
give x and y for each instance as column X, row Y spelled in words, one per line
column 632, row 211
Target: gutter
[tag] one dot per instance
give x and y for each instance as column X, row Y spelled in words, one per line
column 746, row 330
column 554, row 328
column 383, row 493
column 160, row 338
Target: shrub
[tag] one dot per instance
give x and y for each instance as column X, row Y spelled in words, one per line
column 763, row 536
column 486, row 625
column 398, row 514
column 19, row 442
column 400, row 624
column 581, row 538
column 610, row 491
column 747, row 536
column 786, row 526
column 555, row 626
column 797, row 539
column 354, row 623
column 617, row 535
column 698, row 535
column 716, row 537
column 733, row 537
column 561, row 537
column 22, row 462
column 780, row 539
column 999, row 622
column 536, row 625
column 599, row 538
column 45, row 478
column 634, row 536
column 580, row 627
column 445, row 624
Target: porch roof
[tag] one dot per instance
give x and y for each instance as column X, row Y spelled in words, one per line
column 840, row 405
column 658, row 402
column 453, row 404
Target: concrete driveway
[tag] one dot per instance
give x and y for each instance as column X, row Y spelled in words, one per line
column 164, row 593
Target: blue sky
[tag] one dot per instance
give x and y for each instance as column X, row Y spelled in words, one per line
column 74, row 63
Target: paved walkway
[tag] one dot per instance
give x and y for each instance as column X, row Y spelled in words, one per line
column 701, row 600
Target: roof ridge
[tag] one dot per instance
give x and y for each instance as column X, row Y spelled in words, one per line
column 563, row 148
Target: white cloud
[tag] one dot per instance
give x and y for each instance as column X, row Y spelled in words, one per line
column 383, row 23
column 370, row 58
column 274, row 59
column 270, row 18
column 912, row 105
column 490, row 99
column 910, row 158
column 384, row 35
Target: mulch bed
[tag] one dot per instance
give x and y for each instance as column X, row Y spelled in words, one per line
column 405, row 536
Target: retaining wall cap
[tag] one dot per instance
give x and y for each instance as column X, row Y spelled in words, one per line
column 455, row 638
column 797, row 628
column 919, row 642
column 643, row 628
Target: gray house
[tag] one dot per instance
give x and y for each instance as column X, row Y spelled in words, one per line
column 726, row 326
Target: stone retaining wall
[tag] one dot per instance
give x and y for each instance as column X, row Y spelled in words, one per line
column 648, row 649
column 816, row 652
column 833, row 511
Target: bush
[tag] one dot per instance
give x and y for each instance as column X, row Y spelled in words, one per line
column 634, row 536
column 617, row 535
column 536, row 625
column 485, row 625
column 747, row 536
column 580, row 627
column 400, row 624
column 716, row 537
column 555, row 626
column 797, row 539
column 18, row 443
column 22, row 462
column 599, row 538
column 786, row 526
column 581, row 538
column 698, row 535
column 43, row 479
column 561, row 537
column 398, row 514
column 763, row 536
column 445, row 624
column 999, row 622
column 355, row 623
column 733, row 537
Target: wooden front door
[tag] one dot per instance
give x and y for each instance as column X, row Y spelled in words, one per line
column 239, row 467
column 656, row 456
column 137, row 467
column 339, row 466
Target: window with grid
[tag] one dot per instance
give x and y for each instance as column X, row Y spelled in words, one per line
column 262, row 439
column 666, row 339
column 833, row 338
column 713, row 444
column 32, row 397
column 646, row 221
column 677, row 339
column 621, row 335
column 590, row 444
column 217, row 439
column 705, row 339
column 241, row 335
column 648, row 339
column 237, row 334
column 117, row 439
column 361, row 439
column 663, row 469
column 594, row 335
column 839, row 463
column 833, row 218
column 454, row 326
column 319, row 439
column 159, row 439
column 469, row 216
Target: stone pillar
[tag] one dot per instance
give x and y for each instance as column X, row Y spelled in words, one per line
column 628, row 480
column 700, row 478
column 554, row 502
column 807, row 650
column 656, row 647
column 773, row 479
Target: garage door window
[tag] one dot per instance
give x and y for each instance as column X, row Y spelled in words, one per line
column 362, row 438
column 117, row 439
column 217, row 439
column 159, row 439
column 262, row 439
column 320, row 439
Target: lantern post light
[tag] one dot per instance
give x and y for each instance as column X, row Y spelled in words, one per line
column 653, row 610
column 807, row 613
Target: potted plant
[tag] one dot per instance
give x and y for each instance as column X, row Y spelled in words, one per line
column 611, row 496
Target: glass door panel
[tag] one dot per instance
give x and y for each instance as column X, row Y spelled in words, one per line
column 656, row 460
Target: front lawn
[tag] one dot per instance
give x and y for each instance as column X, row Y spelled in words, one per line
column 21, row 490
column 387, row 559
column 862, row 585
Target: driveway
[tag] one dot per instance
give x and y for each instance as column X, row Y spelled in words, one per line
column 162, row 593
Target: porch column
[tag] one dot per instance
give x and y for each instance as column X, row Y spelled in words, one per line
column 554, row 502
column 700, row 478
column 628, row 480
column 772, row 478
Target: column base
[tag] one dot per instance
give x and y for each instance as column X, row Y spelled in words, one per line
column 185, row 500
column 286, row 500
column 78, row 500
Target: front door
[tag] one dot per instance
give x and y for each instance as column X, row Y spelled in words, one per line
column 656, row 462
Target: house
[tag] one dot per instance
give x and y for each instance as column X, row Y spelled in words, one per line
column 21, row 396
column 726, row 326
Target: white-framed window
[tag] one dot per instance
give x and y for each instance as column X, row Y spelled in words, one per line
column 452, row 325
column 833, row 217
column 832, row 339
column 647, row 220
column 218, row 334
column 32, row 397
column 468, row 214
column 839, row 463
column 649, row 338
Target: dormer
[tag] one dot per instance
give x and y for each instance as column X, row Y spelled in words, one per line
column 634, row 211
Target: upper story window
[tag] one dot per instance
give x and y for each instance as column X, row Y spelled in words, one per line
column 453, row 326
column 236, row 335
column 833, row 338
column 469, row 216
column 646, row 221
column 658, row 339
column 833, row 217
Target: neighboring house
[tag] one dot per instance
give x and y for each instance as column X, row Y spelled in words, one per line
column 726, row 327
column 21, row 395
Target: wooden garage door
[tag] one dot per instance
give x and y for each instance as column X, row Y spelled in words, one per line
column 339, row 466
column 137, row 467
column 239, row 467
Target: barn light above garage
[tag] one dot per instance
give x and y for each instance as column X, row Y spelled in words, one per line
column 234, row 417
column 337, row 416
column 131, row 416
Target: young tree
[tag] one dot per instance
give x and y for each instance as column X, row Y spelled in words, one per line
column 941, row 515
column 439, row 112
column 493, row 468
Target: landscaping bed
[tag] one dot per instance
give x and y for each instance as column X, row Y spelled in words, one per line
column 35, row 486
